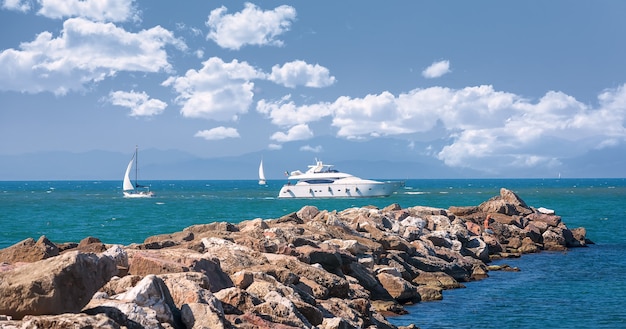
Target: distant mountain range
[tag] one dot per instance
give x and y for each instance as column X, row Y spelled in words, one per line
column 378, row 158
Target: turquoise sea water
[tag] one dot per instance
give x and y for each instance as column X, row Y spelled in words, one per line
column 584, row 287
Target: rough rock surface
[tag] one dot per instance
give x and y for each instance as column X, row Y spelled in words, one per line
column 309, row 269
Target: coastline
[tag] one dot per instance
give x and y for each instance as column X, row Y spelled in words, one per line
column 311, row 268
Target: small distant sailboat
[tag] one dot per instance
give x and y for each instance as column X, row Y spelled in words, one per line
column 134, row 190
column 262, row 180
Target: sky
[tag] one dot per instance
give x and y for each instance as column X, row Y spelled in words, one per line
column 483, row 85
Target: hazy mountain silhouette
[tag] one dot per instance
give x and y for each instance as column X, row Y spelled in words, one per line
column 381, row 158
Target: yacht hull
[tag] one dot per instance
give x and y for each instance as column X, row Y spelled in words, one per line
column 339, row 190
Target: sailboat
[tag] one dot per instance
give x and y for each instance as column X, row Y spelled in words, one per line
column 134, row 190
column 262, row 180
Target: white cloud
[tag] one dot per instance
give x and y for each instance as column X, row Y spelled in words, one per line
column 298, row 132
column 17, row 5
column 309, row 148
column 286, row 113
column 84, row 53
column 139, row 103
column 274, row 147
column 300, row 73
column 251, row 26
column 436, row 69
column 218, row 133
column 481, row 124
column 218, row 91
column 97, row 10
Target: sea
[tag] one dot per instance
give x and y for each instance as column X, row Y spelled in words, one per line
column 579, row 288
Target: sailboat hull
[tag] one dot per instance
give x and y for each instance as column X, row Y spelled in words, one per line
column 138, row 194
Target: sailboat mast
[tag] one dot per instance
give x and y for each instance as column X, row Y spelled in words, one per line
column 136, row 165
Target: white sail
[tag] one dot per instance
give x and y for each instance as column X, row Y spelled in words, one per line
column 131, row 190
column 128, row 185
column 261, row 174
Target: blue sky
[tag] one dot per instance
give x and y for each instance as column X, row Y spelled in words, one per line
column 484, row 85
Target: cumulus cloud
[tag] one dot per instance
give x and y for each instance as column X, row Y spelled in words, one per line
column 295, row 133
column 480, row 123
column 309, row 148
column 218, row 91
column 140, row 104
column 436, row 69
column 251, row 26
column 297, row 73
column 84, row 53
column 16, row 5
column 218, row 133
column 97, row 10
column 286, row 113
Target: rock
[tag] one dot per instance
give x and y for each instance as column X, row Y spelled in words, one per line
column 62, row 284
column 202, row 316
column 152, row 293
column 29, row 251
column 165, row 261
column 329, row 259
column 436, row 279
column 308, row 269
column 188, row 287
column 91, row 244
column 280, row 309
column 578, row 235
column 75, row 321
column 127, row 314
column 551, row 220
column 463, row 211
column 307, row 213
column 398, row 288
column 167, row 240
column 429, row 293
column 232, row 257
column 237, row 301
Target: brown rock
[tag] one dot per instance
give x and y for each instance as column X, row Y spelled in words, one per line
column 237, row 301
column 329, row 259
column 429, row 293
column 307, row 213
column 463, row 211
column 29, row 251
column 74, row 321
column 336, row 285
column 232, row 257
column 165, row 261
column 579, row 237
column 91, row 244
column 202, row 316
column 398, row 288
column 188, row 287
column 54, row 286
column 551, row 220
column 436, row 279
column 528, row 246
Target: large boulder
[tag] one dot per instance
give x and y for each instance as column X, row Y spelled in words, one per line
column 62, row 284
column 164, row 261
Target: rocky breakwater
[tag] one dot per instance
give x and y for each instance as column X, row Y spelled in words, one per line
column 309, row 269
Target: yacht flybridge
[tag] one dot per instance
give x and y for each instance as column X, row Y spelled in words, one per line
column 322, row 181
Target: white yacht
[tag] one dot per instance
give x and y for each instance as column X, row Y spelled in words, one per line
column 322, row 181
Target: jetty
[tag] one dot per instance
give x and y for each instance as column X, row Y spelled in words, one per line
column 314, row 268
